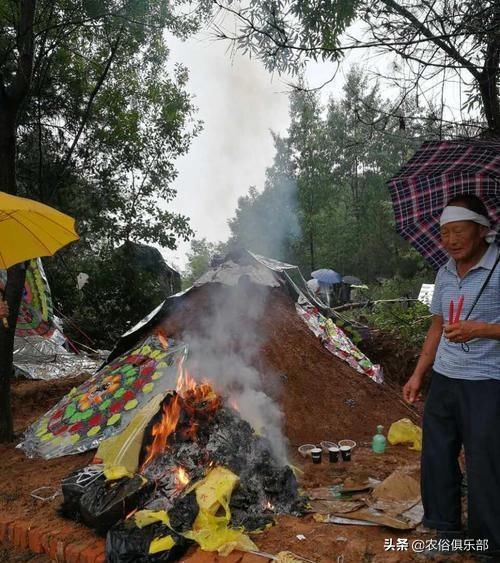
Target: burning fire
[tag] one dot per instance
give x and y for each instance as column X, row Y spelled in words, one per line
column 185, row 381
column 234, row 404
column 182, row 477
column 197, row 400
column 162, row 429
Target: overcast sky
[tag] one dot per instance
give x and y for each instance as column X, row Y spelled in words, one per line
column 240, row 103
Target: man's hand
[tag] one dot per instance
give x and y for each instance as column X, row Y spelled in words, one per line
column 411, row 390
column 463, row 331
column 4, row 309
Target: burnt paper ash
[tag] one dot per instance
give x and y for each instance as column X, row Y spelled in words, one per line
column 265, row 487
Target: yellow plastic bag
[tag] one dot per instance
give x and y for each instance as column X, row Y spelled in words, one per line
column 120, row 452
column 161, row 544
column 144, row 518
column 403, row 431
column 210, row 529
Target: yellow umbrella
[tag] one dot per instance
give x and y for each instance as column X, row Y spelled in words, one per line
column 29, row 229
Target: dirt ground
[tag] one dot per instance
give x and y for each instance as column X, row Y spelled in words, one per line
column 322, row 398
column 323, row 542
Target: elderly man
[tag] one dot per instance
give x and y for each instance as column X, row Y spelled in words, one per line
column 463, row 403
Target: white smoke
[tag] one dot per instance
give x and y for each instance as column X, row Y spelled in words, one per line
column 225, row 348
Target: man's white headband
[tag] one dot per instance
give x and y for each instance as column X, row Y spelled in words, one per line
column 455, row 213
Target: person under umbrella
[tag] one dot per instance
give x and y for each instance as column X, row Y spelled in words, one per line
column 462, row 350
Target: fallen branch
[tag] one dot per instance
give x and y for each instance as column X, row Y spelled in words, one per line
column 360, row 304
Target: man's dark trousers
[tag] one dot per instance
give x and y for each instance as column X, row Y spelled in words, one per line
column 460, row 411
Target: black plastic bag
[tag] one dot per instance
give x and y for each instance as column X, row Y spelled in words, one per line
column 74, row 486
column 126, row 543
column 105, row 503
column 184, row 512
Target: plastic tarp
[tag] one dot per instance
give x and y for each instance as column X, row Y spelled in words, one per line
column 39, row 357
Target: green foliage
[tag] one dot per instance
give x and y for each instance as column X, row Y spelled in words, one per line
column 329, row 180
column 427, row 43
column 107, row 118
column 98, row 136
column 408, row 321
column 199, row 258
column 120, row 291
column 282, row 33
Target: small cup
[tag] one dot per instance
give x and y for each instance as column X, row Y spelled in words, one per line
column 345, row 452
column 333, row 454
column 316, row 455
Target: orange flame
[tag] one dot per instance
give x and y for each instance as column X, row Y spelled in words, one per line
column 197, row 400
column 182, row 477
column 234, row 404
column 185, row 381
column 162, row 429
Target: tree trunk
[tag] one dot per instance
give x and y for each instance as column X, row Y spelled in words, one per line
column 311, row 249
column 491, row 102
column 7, row 147
column 488, row 78
column 12, row 95
column 14, row 276
column 13, row 295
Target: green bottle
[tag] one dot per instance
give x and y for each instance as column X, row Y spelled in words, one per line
column 379, row 441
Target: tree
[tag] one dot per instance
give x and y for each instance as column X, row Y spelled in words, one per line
column 266, row 222
column 199, row 259
column 122, row 288
column 15, row 81
column 86, row 98
column 433, row 40
column 332, row 166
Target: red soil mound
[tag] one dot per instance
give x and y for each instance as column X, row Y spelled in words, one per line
column 322, row 397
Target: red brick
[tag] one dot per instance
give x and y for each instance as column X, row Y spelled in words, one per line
column 35, row 537
column 252, row 558
column 35, row 540
column 233, row 557
column 49, row 537
column 73, row 551
column 101, row 558
column 57, row 546
column 10, row 533
column 5, row 523
column 20, row 536
column 90, row 553
column 200, row 556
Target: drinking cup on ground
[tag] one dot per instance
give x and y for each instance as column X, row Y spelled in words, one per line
column 345, row 452
column 333, row 454
column 316, row 455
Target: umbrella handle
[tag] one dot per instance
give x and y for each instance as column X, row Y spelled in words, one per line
column 451, row 311
column 5, row 322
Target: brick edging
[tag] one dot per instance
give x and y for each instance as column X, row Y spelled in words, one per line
column 58, row 544
column 61, row 546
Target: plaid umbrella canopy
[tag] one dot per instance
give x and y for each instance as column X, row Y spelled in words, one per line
column 438, row 171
